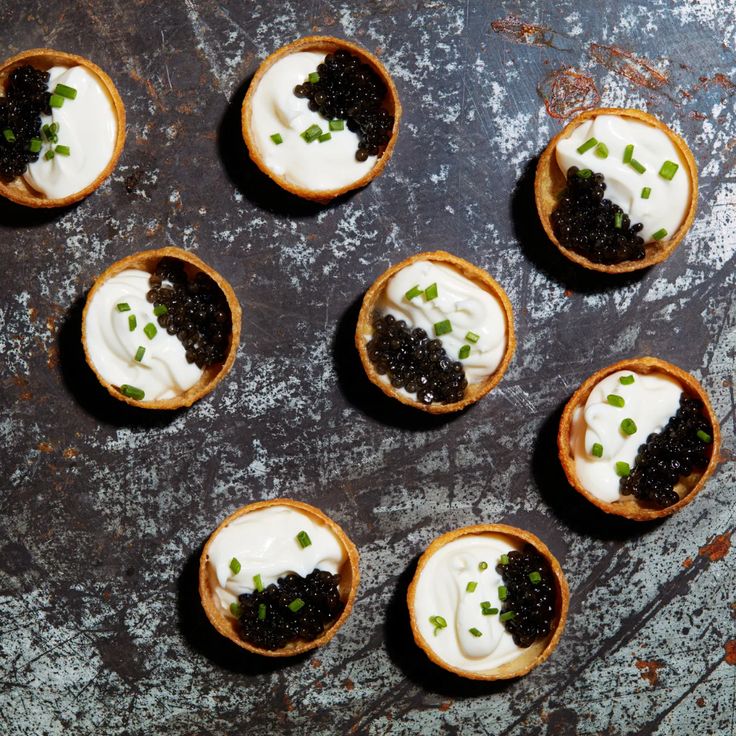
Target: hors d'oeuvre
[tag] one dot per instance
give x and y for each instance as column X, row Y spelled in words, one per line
column 639, row 439
column 278, row 578
column 435, row 332
column 488, row 602
column 321, row 117
column 62, row 128
column 160, row 329
column 616, row 190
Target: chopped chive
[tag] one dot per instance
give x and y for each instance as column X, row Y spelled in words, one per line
column 47, row 131
column 438, row 622
column 132, row 392
column 504, row 559
column 9, row 135
column 261, row 611
column 472, row 337
column 483, row 565
column 502, row 592
column 277, row 139
column 601, row 150
column 415, row 291
column 63, row 150
column 637, row 166
column 626, row 380
column 704, row 436
column 622, row 469
column 535, row 577
column 140, row 353
column 54, row 128
column 160, row 309
column 646, row 192
column 614, row 400
column 506, row 616
column 56, row 100
column 235, row 609
column 661, row 233
column 590, row 143
column 597, row 450
column 312, row 133
column 235, row 565
column 35, row 145
column 296, row 605
column 314, row 77
column 618, row 220
column 132, row 322
column 668, row 170
column 628, row 153
column 337, row 125
column 123, row 307
column 471, row 586
column 325, row 137
column 49, row 154
column 442, row 328
column 303, row 539
column 475, row 632
column 628, row 426
column 258, row 583
column 488, row 610
column 150, row 330
column 585, row 173
column 430, row 292
column 464, row 352
column 69, row 92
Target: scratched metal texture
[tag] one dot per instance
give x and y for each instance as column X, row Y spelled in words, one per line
column 104, row 510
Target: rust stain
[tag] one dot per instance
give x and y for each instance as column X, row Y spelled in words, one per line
column 566, row 92
column 106, row 595
column 316, row 663
column 730, row 647
column 445, row 705
column 349, row 684
column 717, row 548
column 514, row 29
column 51, row 324
column 698, row 115
column 649, row 670
column 687, row 562
column 700, row 702
column 732, row 606
column 45, row 447
column 53, row 357
column 33, row 314
column 635, row 68
column 26, row 396
column 20, row 381
column 720, row 80
column 70, row 452
column 567, row 293
column 288, row 704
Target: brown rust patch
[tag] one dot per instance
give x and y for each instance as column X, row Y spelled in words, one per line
column 26, row 396
column 70, row 453
column 687, row 563
column 732, row 606
column 730, row 647
column 45, row 447
column 635, row 68
column 349, row 684
column 514, row 29
column 700, row 702
column 316, row 663
column 717, row 548
column 445, row 705
column 649, row 670
column 566, row 92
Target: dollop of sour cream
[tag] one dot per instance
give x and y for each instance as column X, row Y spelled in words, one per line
column 163, row 372
column 649, row 400
column 265, row 543
column 468, row 307
column 313, row 166
column 442, row 589
column 668, row 200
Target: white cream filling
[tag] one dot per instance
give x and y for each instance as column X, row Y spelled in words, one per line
column 264, row 542
column 668, row 201
column 650, row 401
column 442, row 590
column 87, row 126
column 164, row 372
column 276, row 109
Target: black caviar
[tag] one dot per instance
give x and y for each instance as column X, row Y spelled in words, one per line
column 585, row 222
column 350, row 90
column 196, row 311
column 414, row 362
column 669, row 455
column 267, row 621
column 26, row 98
column 530, row 596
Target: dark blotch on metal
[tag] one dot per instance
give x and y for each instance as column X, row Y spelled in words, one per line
column 635, row 68
column 566, row 92
column 516, row 30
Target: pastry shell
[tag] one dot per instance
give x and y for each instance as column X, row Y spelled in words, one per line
column 227, row 626
column 532, row 656
column 629, row 506
column 146, row 260
column 326, row 45
column 364, row 330
column 550, row 181
column 18, row 190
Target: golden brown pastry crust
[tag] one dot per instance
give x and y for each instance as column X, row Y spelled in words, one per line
column 629, row 506
column 532, row 656
column 349, row 580
column 478, row 276
column 18, row 190
column 146, row 260
column 550, row 181
column 326, row 45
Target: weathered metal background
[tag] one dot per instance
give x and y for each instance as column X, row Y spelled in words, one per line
column 104, row 509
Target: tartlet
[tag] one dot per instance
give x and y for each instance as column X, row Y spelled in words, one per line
column 212, row 374
column 18, row 190
column 629, row 506
column 326, row 45
column 550, row 181
column 531, row 656
column 479, row 277
column 228, row 626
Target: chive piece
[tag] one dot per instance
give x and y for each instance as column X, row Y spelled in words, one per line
column 56, row 100
column 483, row 565
column 585, row 173
column 413, row 292
column 303, row 539
column 597, row 450
column 150, row 330
column 646, row 192
column 337, row 125
column 47, row 131
column 132, row 392
column 325, row 137
column 628, row 426
column 618, row 220
column 535, row 577
column 160, row 309
column 312, row 133
column 661, row 233
column 258, row 583
column 504, row 559
column 132, row 322
column 471, row 586
column 506, row 616
column 277, row 139
column 464, row 352
column 314, row 77
column 626, row 380
column 704, row 436
column 637, row 166
column 54, row 128
column 235, row 609
column 49, row 154
column 9, row 135
column 296, row 605
column 69, row 92
column 63, row 150
column 261, row 611
column 123, row 307
column 430, row 292
column 668, row 170
column 438, row 622
column 489, row 611
column 475, row 632
column 502, row 592
column 442, row 328
column 601, row 150
column 587, row 145
column 614, row 400
column 235, row 565
column 472, row 337
column 140, row 353
column 35, row 145
column 628, row 153
column 622, row 469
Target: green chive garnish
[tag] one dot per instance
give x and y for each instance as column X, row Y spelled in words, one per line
column 257, row 582
column 646, row 192
column 160, row 309
column 415, row 291
column 261, row 611
column 504, row 559
column 438, row 621
column 587, row 145
column 9, row 135
column 638, row 167
column 277, row 139
column 661, row 233
column 56, row 101
column 626, row 380
column 597, row 450
column 132, row 392
column 235, row 565
column 69, row 92
column 132, row 322
column 54, row 128
column 622, row 469
column 63, row 150
column 337, row 125
column 535, row 577
column 35, row 145
column 442, row 328
column 49, row 154
column 502, row 592
column 704, row 436
column 296, row 605
column 628, row 153
column 430, row 293
column 585, row 173
column 628, row 426
column 614, row 400
column 150, row 330
column 312, row 133
column 475, row 632
column 601, row 150
column 140, row 353
column 123, row 307
column 483, row 565
column 464, row 352
column 488, row 610
column 303, row 539
column 618, row 220
column 668, row 170
column 506, row 616
column 472, row 337
column 235, row 609
column 471, row 586
column 314, row 77
column 46, row 130
column 325, row 137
